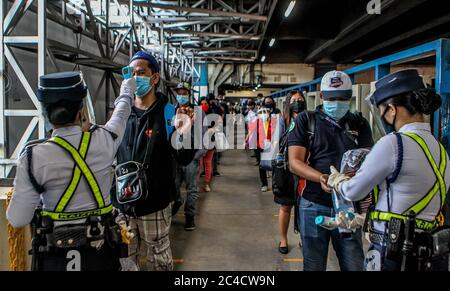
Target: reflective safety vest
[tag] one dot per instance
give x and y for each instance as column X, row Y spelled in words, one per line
column 420, row 205
column 81, row 168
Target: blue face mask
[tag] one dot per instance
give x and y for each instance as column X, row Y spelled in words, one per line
column 336, row 109
column 143, row 86
column 182, row 99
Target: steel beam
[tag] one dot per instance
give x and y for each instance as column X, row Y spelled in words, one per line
column 203, row 11
column 2, row 93
column 213, row 34
column 443, row 89
column 361, row 27
column 94, row 27
column 386, row 43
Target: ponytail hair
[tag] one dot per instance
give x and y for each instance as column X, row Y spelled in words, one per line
column 62, row 112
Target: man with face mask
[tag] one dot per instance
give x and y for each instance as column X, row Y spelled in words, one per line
column 335, row 131
column 188, row 173
column 147, row 140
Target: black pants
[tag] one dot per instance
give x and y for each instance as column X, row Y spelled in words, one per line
column 79, row 259
column 262, row 173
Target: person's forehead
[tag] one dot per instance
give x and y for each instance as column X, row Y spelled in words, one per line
column 338, row 99
column 182, row 90
column 296, row 97
column 140, row 64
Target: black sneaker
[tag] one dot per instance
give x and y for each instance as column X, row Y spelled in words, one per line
column 202, row 174
column 216, row 174
column 189, row 224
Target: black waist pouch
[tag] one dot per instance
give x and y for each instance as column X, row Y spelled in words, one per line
column 131, row 183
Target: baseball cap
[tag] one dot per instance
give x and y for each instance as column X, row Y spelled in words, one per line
column 142, row 55
column 184, row 85
column 336, row 84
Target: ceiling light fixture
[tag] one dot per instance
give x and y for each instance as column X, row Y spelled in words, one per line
column 272, row 42
column 289, row 9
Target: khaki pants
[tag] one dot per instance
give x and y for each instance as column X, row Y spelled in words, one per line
column 150, row 249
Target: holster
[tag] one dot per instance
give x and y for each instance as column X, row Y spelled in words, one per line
column 395, row 239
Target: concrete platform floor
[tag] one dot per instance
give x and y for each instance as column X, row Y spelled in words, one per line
column 237, row 226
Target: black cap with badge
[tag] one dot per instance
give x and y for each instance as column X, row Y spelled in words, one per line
column 55, row 87
column 404, row 82
column 397, row 83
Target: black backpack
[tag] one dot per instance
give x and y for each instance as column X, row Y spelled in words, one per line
column 283, row 182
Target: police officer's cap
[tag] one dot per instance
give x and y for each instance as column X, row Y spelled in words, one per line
column 395, row 84
column 61, row 86
column 142, row 55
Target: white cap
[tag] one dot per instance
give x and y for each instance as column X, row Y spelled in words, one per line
column 336, row 84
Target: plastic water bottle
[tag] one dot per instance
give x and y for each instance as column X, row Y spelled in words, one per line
column 326, row 222
column 343, row 206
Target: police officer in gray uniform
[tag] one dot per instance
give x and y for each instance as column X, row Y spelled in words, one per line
column 68, row 178
column 409, row 169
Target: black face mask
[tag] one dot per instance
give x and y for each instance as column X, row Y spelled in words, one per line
column 297, row 106
column 269, row 105
column 388, row 128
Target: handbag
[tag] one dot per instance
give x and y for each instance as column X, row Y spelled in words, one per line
column 281, row 175
column 221, row 142
column 282, row 178
column 131, row 181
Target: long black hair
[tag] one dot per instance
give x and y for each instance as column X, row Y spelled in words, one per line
column 287, row 110
column 423, row 101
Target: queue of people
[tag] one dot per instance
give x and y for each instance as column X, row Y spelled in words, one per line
column 95, row 194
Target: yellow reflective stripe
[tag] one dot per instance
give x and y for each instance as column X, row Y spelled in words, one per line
column 67, row 216
column 440, row 184
column 81, row 163
column 385, row 216
column 76, row 176
column 376, row 192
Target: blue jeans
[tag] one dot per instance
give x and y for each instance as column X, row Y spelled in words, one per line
column 190, row 175
column 317, row 239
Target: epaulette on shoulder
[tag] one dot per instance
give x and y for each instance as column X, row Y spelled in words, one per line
column 32, row 143
column 96, row 126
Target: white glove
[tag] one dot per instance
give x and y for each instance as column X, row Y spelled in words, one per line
column 357, row 222
column 127, row 92
column 336, row 179
column 128, row 87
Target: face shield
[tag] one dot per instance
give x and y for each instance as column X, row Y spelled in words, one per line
column 376, row 115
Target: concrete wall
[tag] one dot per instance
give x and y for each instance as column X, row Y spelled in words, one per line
column 273, row 74
column 288, row 74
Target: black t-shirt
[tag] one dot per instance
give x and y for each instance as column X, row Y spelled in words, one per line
column 331, row 140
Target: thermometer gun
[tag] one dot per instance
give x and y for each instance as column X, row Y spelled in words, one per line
column 127, row 72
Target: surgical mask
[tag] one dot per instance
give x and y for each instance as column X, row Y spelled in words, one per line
column 143, row 86
column 182, row 99
column 336, row 109
column 205, row 107
column 388, row 128
column 297, row 106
